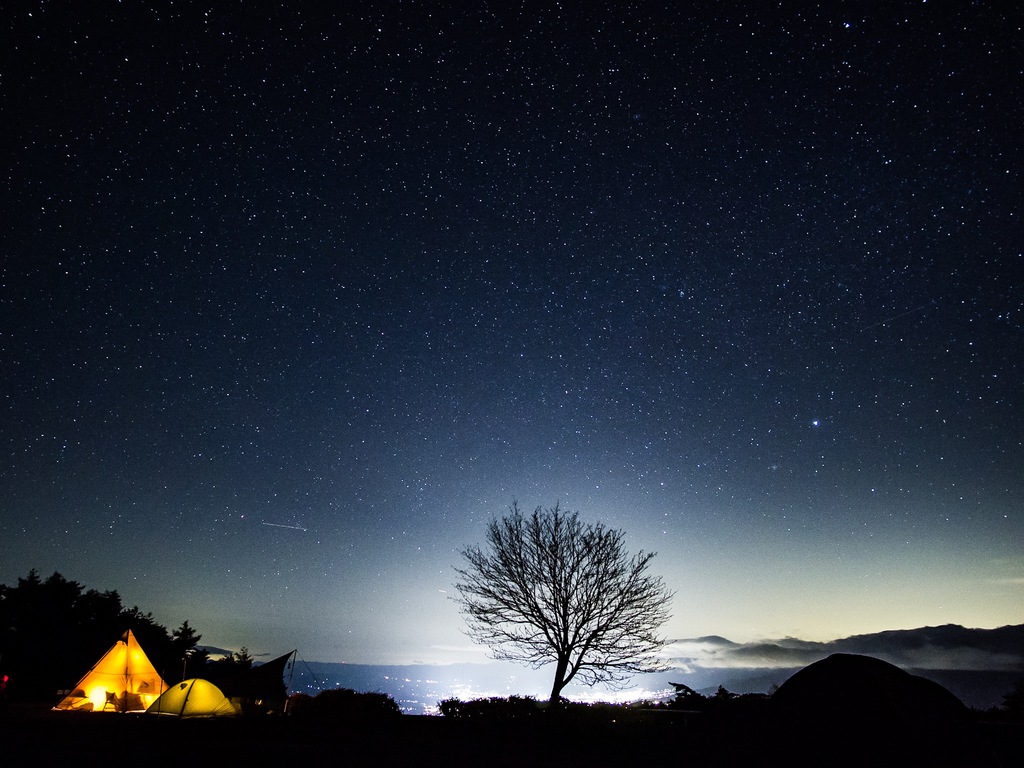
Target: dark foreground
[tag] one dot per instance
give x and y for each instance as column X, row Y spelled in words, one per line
column 44, row 738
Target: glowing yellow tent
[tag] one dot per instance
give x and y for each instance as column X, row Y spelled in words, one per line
column 193, row 698
column 123, row 680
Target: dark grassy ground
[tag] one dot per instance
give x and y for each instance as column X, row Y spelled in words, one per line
column 37, row 737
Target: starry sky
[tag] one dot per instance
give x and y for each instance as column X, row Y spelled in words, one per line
column 294, row 298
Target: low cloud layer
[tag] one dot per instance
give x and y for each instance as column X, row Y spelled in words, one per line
column 949, row 647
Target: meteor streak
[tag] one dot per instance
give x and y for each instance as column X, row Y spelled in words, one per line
column 280, row 525
column 896, row 317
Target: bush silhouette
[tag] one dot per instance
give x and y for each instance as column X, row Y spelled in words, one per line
column 521, row 707
column 347, row 705
column 494, row 708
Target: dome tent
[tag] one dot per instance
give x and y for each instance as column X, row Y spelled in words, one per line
column 859, row 710
column 193, row 698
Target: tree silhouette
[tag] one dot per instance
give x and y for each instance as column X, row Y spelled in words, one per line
column 185, row 637
column 184, row 641
column 51, row 631
column 243, row 660
column 550, row 589
column 1013, row 702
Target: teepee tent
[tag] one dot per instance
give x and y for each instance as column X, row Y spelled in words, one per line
column 123, row 680
column 193, row 698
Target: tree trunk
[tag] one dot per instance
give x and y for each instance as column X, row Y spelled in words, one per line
column 559, row 684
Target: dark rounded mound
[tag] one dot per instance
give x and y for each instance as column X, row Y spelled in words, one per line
column 858, row 685
column 849, row 709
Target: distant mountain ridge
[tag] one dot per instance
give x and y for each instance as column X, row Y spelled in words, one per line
column 1008, row 640
column 950, row 646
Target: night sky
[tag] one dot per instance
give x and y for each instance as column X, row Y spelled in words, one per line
column 294, row 299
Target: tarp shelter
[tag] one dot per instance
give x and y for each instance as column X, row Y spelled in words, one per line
column 258, row 689
column 123, row 680
column 193, row 698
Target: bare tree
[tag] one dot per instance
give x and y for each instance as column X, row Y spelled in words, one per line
column 550, row 589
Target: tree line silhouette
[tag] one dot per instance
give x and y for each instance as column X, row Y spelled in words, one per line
column 53, row 630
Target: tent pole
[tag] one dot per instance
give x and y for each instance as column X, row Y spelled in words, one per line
column 127, row 668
